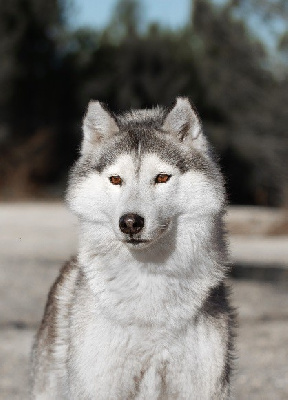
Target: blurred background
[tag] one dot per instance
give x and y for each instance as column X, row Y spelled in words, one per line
column 230, row 57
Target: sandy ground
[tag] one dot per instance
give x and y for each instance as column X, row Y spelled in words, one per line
column 36, row 238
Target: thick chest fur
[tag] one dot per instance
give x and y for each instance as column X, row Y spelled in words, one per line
column 110, row 361
column 142, row 313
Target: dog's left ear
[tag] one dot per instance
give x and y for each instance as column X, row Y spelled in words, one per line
column 183, row 122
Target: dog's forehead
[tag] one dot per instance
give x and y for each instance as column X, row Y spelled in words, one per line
column 124, row 163
column 138, row 139
column 133, row 164
column 140, row 143
column 148, row 119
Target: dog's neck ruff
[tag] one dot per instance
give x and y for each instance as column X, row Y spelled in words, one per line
column 167, row 291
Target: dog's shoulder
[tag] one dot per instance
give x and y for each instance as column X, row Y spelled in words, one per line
column 59, row 299
column 217, row 301
column 218, row 310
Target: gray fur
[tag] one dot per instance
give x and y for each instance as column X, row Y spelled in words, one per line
column 147, row 318
column 144, row 129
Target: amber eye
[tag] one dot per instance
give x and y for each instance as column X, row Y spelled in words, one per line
column 115, row 180
column 162, row 178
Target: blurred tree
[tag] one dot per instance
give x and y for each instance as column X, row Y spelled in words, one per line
column 125, row 22
column 135, row 69
column 247, row 97
column 28, row 50
column 268, row 20
column 33, row 89
column 50, row 74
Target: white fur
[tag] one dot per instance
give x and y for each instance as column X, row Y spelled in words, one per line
column 135, row 328
column 97, row 125
column 182, row 116
column 145, row 299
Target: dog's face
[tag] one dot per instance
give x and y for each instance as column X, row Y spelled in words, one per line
column 143, row 173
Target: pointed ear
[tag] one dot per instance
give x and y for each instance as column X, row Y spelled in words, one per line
column 182, row 121
column 98, row 124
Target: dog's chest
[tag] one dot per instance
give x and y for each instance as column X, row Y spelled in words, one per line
column 115, row 362
column 140, row 362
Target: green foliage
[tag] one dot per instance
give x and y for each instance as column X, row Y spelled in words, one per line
column 32, row 94
column 28, row 53
column 50, row 74
column 125, row 22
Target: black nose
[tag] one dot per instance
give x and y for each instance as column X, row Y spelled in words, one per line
column 131, row 223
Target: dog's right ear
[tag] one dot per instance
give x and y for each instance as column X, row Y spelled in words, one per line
column 98, row 124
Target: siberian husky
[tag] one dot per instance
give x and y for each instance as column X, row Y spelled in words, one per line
column 142, row 311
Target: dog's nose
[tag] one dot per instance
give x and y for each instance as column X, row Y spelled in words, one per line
column 131, row 223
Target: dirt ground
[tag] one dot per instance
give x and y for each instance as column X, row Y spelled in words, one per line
column 36, row 238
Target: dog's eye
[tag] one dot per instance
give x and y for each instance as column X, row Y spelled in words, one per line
column 162, row 178
column 115, row 180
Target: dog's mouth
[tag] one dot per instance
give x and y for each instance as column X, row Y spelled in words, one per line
column 136, row 242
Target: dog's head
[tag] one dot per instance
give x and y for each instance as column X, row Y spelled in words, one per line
column 141, row 172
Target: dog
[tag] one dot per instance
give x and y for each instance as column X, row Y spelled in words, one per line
column 142, row 312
